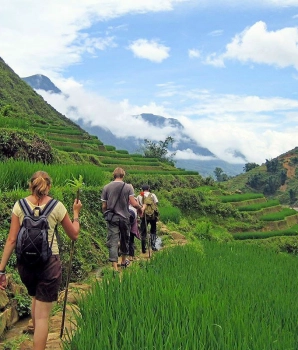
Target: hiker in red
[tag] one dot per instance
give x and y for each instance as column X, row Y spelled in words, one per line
column 150, row 216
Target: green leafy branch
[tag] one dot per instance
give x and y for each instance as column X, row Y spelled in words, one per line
column 77, row 184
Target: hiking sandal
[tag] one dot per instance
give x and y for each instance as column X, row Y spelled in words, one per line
column 124, row 265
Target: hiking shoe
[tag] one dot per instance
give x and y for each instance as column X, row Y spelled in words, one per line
column 125, row 264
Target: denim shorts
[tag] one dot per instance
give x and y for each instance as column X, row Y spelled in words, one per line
column 43, row 282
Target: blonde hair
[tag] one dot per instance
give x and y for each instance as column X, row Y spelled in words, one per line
column 118, row 173
column 40, row 183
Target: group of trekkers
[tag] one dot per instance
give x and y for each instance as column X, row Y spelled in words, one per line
column 123, row 210
column 33, row 236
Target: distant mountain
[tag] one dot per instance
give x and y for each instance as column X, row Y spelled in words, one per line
column 39, row 81
column 132, row 144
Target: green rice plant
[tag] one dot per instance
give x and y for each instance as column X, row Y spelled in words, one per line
column 110, row 148
column 15, row 175
column 240, row 197
column 128, row 162
column 259, row 206
column 281, row 215
column 208, row 296
column 292, row 231
column 169, row 213
column 15, row 123
column 59, row 130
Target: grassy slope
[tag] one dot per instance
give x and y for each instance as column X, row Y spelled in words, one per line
column 287, row 162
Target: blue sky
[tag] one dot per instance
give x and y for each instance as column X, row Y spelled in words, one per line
column 227, row 70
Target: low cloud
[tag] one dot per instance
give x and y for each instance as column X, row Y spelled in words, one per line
column 189, row 154
column 246, row 124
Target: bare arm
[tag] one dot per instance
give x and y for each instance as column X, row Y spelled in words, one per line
column 9, row 247
column 136, row 205
column 104, row 206
column 72, row 228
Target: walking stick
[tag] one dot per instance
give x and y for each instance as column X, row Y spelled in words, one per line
column 147, row 236
column 77, row 184
column 66, row 288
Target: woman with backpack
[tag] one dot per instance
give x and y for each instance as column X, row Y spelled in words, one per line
column 42, row 280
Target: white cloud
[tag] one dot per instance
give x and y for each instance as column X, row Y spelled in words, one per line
column 150, row 50
column 216, row 32
column 193, row 53
column 189, row 154
column 49, row 34
column 214, row 60
column 258, row 45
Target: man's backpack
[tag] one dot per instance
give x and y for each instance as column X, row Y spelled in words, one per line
column 151, row 207
column 32, row 246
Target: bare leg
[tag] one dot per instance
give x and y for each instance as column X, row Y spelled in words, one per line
column 115, row 265
column 41, row 312
column 33, row 311
column 123, row 259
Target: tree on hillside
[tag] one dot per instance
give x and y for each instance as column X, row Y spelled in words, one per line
column 220, row 175
column 249, row 166
column 159, row 150
column 292, row 195
column 272, row 165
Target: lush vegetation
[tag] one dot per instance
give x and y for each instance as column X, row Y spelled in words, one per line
column 200, row 297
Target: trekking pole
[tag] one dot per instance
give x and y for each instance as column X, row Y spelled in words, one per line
column 66, row 288
column 147, row 236
column 77, row 184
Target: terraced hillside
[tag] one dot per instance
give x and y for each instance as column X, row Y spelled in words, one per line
column 23, row 110
column 276, row 178
column 275, row 219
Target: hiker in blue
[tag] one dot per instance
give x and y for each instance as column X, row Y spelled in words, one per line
column 42, row 280
column 116, row 197
column 149, row 202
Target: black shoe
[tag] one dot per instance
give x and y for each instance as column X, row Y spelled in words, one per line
column 143, row 247
column 154, row 249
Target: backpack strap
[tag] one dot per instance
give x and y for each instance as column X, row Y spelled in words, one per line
column 25, row 207
column 49, row 207
column 46, row 211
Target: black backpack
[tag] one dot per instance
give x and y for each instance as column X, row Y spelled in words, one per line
column 32, row 246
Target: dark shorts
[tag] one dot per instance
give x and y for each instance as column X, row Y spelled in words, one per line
column 43, row 283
